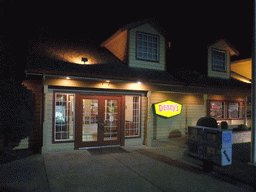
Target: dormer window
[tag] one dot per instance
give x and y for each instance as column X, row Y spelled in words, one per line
column 147, row 47
column 219, row 61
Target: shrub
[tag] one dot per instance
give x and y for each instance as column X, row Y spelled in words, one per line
column 207, row 122
column 16, row 114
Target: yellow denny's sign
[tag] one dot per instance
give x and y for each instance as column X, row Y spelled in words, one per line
column 167, row 108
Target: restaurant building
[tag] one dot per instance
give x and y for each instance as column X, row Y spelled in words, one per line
column 120, row 94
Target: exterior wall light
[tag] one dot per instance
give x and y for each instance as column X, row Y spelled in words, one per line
column 84, row 59
column 107, row 82
column 67, row 77
column 138, row 82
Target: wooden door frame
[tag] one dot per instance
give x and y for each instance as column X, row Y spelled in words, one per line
column 78, row 117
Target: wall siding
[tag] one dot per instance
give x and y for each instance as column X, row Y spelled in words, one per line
column 182, row 98
column 24, row 144
column 133, row 62
column 188, row 117
column 35, row 140
column 193, row 108
column 118, row 46
column 194, row 112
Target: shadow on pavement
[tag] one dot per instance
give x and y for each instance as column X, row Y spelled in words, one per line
column 240, row 170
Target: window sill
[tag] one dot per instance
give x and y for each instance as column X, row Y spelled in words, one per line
column 67, row 141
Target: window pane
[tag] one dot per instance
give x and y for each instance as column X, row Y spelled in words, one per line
column 90, row 120
column 64, row 117
column 111, row 120
column 148, row 44
column 217, row 110
column 132, row 116
column 218, row 61
column 233, row 110
column 236, row 110
column 139, row 43
column 144, row 37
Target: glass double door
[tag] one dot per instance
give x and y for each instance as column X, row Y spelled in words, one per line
column 97, row 121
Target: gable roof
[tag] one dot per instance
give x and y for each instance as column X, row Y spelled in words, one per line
column 113, row 69
column 227, row 45
column 73, row 51
column 132, row 25
column 105, row 65
column 193, row 78
column 149, row 21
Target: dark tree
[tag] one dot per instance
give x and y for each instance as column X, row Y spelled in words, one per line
column 16, row 115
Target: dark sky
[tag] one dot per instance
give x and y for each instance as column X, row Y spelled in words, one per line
column 190, row 25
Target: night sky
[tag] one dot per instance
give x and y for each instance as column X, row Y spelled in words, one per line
column 190, row 25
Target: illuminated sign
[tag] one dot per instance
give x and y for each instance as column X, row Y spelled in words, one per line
column 167, row 108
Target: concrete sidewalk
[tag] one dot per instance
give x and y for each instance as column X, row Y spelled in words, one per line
column 161, row 167
column 133, row 171
column 27, row 174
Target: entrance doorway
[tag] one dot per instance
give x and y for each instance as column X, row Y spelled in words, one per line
column 98, row 121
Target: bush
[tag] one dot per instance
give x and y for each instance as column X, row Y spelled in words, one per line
column 224, row 125
column 241, row 127
column 16, row 114
column 207, row 122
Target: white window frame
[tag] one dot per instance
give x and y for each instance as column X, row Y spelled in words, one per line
column 219, row 63
column 133, row 126
column 55, row 140
column 147, row 47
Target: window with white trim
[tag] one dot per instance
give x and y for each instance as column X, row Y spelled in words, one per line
column 64, row 117
column 219, row 61
column 147, row 46
column 132, row 116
